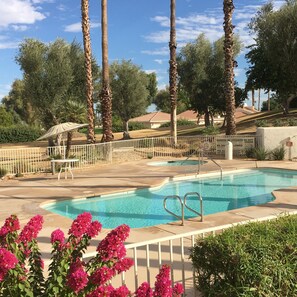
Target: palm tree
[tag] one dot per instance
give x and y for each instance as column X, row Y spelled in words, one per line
column 72, row 112
column 173, row 72
column 229, row 71
column 105, row 96
column 88, row 68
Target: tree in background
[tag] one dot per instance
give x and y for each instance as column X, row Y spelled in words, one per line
column 201, row 76
column 75, row 112
column 273, row 57
column 50, row 77
column 19, row 105
column 173, row 73
column 105, row 95
column 85, row 23
column 152, row 86
column 131, row 95
column 229, row 86
column 6, row 117
column 162, row 102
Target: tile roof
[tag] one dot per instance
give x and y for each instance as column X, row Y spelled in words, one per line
column 158, row 116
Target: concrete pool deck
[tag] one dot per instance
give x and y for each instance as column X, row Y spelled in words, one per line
column 23, row 196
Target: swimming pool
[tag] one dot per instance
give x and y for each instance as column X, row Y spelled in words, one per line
column 144, row 207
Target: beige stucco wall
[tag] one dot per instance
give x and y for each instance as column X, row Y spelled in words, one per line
column 273, row 137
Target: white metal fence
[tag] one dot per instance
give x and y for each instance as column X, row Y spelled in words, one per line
column 173, row 250
column 30, row 160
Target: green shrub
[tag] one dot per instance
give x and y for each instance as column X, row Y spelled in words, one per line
column 292, row 122
column 261, row 154
column 250, row 152
column 136, row 126
column 179, row 123
column 257, row 259
column 278, row 153
column 3, row 172
column 16, row 134
column 211, row 130
column 261, row 123
column 279, row 123
column 150, row 155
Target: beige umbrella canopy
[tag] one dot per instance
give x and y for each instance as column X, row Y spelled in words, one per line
column 59, row 130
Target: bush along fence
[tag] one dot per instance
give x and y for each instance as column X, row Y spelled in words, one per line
column 257, row 259
column 21, row 265
column 31, row 160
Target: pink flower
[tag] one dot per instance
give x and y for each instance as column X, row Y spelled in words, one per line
column 31, row 230
column 11, row 224
column 112, row 246
column 81, row 224
column 7, row 261
column 77, row 278
column 94, row 229
column 163, row 282
column 57, row 236
column 123, row 265
column 178, row 290
column 101, row 291
column 101, row 275
column 144, row 290
column 122, row 291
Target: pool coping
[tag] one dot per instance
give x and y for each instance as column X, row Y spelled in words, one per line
column 178, row 178
column 24, row 196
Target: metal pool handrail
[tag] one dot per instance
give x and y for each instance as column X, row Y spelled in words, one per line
column 191, row 209
column 182, row 217
column 183, row 204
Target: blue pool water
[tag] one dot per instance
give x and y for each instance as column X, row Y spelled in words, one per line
column 145, row 207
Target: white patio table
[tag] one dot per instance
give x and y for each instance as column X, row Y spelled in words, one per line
column 65, row 164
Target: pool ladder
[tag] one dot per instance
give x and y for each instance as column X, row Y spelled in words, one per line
column 183, row 204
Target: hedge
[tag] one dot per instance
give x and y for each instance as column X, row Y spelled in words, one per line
column 257, row 259
column 14, row 134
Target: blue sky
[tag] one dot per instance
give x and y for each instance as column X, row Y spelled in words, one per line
column 138, row 29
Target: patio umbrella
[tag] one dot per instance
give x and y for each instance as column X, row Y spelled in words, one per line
column 60, row 129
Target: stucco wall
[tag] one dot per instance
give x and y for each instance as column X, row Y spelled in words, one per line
column 273, row 137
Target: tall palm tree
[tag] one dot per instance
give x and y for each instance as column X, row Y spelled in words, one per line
column 173, row 71
column 85, row 23
column 105, row 96
column 229, row 68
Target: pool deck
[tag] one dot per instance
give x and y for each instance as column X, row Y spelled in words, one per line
column 23, row 196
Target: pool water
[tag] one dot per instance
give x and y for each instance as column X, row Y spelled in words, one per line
column 144, row 207
column 177, row 163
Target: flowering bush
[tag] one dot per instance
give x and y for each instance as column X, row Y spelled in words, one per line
column 21, row 266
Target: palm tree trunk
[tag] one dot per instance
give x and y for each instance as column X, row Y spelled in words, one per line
column 229, row 71
column 88, row 68
column 268, row 100
column 173, row 72
column 259, row 99
column 105, row 96
column 253, row 98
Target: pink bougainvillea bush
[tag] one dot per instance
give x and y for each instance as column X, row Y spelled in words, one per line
column 21, row 265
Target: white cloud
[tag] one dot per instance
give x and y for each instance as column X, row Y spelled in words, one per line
column 159, row 61
column 149, row 71
column 159, row 52
column 42, row 1
column 61, row 7
column 19, row 28
column 19, row 12
column 7, row 44
column 76, row 27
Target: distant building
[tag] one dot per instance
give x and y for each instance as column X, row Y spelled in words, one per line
column 152, row 120
column 244, row 111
